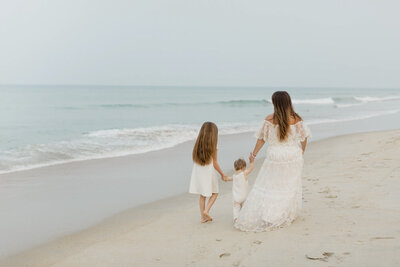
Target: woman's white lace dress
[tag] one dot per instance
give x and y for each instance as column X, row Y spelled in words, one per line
column 276, row 196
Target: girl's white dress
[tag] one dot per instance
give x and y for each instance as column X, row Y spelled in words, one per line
column 204, row 180
column 276, row 196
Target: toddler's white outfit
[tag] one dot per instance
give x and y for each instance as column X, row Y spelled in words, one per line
column 240, row 189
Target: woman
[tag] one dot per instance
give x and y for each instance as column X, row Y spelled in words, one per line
column 276, row 196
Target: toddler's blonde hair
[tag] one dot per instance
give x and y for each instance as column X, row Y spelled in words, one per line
column 239, row 164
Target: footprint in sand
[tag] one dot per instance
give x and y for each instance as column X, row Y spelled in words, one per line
column 331, row 196
column 381, row 237
column 325, row 191
column 225, row 254
column 257, row 242
column 366, row 154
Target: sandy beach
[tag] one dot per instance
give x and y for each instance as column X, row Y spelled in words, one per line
column 350, row 217
column 108, row 106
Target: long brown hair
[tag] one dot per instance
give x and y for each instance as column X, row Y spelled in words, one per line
column 283, row 111
column 206, row 144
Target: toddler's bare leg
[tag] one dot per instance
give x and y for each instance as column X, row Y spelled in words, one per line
column 236, row 209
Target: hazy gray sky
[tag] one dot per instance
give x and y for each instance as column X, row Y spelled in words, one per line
column 348, row 43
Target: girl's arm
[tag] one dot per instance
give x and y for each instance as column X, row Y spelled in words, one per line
column 228, row 179
column 303, row 145
column 217, row 167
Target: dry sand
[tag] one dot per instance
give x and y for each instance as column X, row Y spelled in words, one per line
column 350, row 217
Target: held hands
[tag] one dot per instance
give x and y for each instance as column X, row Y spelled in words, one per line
column 226, row 178
column 251, row 157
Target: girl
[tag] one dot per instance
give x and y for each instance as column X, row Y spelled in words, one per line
column 204, row 178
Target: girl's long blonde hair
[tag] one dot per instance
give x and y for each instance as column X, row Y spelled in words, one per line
column 206, row 144
column 283, row 111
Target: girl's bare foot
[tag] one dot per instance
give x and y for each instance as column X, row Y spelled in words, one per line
column 208, row 217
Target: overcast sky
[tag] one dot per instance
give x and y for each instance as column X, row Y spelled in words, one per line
column 349, row 43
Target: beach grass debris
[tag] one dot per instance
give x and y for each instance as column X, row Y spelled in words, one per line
column 225, row 254
column 328, row 254
column 317, row 258
column 324, row 257
column 218, row 240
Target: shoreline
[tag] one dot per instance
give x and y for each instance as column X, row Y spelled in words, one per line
column 50, row 202
column 110, row 241
column 320, row 125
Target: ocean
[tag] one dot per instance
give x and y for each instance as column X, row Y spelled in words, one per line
column 47, row 125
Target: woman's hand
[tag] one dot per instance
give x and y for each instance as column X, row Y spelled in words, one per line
column 224, row 177
column 303, row 145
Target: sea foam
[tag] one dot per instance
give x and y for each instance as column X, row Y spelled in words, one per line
column 121, row 142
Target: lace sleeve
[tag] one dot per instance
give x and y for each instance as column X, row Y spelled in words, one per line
column 303, row 131
column 262, row 133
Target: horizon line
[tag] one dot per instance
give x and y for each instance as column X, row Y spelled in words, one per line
column 201, row 86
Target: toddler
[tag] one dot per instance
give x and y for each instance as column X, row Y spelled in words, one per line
column 240, row 187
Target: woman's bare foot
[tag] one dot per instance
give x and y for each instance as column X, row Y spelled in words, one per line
column 208, row 217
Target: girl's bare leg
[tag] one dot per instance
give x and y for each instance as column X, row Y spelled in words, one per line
column 209, row 205
column 202, row 203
